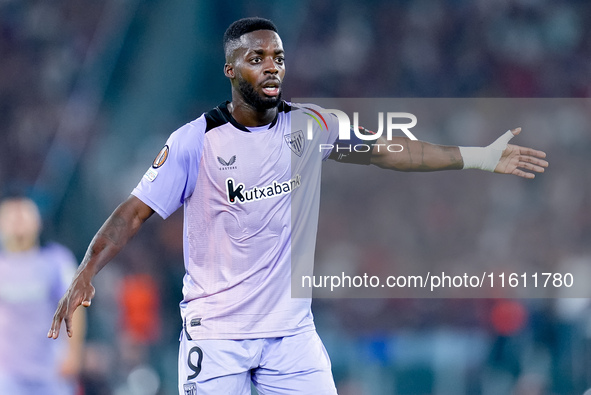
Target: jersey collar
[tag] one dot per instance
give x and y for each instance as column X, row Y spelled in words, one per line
column 223, row 111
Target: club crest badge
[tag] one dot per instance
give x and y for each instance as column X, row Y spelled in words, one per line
column 190, row 389
column 296, row 142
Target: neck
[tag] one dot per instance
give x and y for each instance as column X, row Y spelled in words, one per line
column 247, row 115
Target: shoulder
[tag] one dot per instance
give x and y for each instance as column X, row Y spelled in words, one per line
column 191, row 129
column 216, row 117
column 311, row 110
column 322, row 119
column 185, row 141
column 303, row 107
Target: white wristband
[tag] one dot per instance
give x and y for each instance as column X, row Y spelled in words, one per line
column 485, row 158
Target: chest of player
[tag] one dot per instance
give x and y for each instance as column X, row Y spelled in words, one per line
column 249, row 158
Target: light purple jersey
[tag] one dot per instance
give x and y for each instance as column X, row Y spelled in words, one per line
column 251, row 206
column 31, row 284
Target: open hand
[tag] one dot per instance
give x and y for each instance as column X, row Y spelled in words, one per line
column 79, row 293
column 516, row 160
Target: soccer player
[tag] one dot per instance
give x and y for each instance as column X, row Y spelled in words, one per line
column 250, row 189
column 32, row 279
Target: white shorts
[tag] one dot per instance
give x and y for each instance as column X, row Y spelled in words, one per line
column 296, row 364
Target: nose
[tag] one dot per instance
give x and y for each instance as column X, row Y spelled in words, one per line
column 270, row 66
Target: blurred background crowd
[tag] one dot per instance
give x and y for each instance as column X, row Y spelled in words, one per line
column 89, row 92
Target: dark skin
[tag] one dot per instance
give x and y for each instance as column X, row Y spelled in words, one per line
column 121, row 226
column 258, row 61
column 422, row 156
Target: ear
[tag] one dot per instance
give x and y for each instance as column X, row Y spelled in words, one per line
column 229, row 70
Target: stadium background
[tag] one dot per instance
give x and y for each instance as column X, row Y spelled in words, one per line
column 90, row 90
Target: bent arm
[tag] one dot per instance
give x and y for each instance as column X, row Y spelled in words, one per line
column 123, row 224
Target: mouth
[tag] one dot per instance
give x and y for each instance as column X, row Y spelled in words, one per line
column 271, row 88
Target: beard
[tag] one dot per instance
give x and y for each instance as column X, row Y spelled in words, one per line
column 257, row 101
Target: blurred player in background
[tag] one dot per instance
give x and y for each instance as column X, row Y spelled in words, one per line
column 250, row 187
column 32, row 279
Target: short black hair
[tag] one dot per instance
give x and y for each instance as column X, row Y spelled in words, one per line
column 243, row 26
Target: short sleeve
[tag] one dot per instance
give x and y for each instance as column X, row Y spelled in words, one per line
column 350, row 150
column 325, row 124
column 172, row 177
column 354, row 150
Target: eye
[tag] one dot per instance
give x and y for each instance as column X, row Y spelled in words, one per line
column 256, row 59
column 280, row 59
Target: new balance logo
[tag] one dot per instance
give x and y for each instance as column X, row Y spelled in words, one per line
column 238, row 193
column 227, row 165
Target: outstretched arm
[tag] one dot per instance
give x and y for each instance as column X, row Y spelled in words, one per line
column 500, row 157
column 109, row 240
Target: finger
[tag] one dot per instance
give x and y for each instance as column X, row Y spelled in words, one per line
column 87, row 300
column 54, row 331
column 532, row 152
column 516, row 131
column 534, row 161
column 524, row 174
column 531, row 166
column 68, row 321
column 502, row 142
